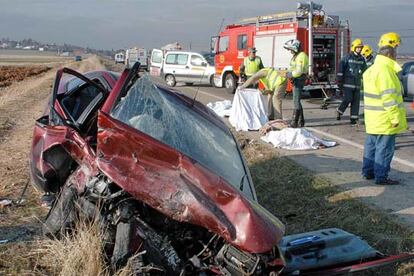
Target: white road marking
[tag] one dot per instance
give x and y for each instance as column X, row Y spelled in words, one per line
column 345, row 141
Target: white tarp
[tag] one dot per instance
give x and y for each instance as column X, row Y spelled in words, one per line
column 249, row 110
column 221, row 108
column 295, row 139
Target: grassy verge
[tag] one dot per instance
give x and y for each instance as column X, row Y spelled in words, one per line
column 302, row 201
column 305, row 203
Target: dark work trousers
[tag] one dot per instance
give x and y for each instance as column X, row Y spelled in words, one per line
column 351, row 96
column 298, row 85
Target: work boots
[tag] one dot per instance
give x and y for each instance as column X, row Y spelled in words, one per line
column 301, row 122
column 295, row 118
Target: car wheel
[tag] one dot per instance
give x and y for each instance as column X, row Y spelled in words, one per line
column 170, row 80
column 189, row 83
column 230, row 83
column 212, row 81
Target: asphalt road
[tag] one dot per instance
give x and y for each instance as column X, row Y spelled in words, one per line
column 341, row 165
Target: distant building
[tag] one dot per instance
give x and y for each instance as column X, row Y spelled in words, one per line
column 41, row 49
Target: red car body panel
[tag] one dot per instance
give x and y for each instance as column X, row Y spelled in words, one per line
column 182, row 189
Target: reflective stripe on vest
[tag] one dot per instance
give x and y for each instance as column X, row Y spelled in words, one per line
column 383, row 103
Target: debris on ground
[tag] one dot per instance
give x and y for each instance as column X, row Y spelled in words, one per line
column 296, row 139
column 5, row 202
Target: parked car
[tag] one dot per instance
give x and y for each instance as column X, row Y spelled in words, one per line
column 168, row 183
column 181, row 66
column 77, row 58
column 408, row 78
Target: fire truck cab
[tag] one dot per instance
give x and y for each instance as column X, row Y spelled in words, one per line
column 330, row 42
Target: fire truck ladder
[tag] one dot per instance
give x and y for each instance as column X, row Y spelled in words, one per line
column 270, row 19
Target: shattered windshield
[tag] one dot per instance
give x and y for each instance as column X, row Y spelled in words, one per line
column 169, row 120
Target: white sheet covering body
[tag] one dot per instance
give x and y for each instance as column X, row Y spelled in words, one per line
column 295, row 139
column 249, row 110
column 221, row 108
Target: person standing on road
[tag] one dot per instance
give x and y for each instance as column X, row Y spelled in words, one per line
column 251, row 65
column 349, row 78
column 274, row 87
column 367, row 54
column 384, row 110
column 297, row 72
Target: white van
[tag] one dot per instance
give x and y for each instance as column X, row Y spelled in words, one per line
column 181, row 66
column 135, row 54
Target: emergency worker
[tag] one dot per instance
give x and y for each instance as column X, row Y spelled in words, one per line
column 367, row 54
column 297, row 72
column 274, row 87
column 251, row 64
column 349, row 78
column 384, row 110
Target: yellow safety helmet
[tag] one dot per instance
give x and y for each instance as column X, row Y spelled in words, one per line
column 389, row 39
column 366, row 51
column 356, row 43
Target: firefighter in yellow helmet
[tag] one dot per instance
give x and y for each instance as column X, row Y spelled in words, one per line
column 274, row 84
column 349, row 78
column 384, row 111
column 367, row 54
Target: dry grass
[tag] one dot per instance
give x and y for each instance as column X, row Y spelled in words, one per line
column 77, row 254
column 303, row 202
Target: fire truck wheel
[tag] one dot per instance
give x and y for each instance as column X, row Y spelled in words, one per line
column 170, row 80
column 230, row 83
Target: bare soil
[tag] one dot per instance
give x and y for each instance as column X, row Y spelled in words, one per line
column 12, row 74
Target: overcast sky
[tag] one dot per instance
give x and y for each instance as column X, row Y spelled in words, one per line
column 114, row 24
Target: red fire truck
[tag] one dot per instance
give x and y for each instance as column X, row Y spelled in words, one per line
column 325, row 37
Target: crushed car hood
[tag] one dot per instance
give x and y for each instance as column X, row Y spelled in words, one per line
column 181, row 160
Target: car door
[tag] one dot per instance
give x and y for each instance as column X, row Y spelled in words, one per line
column 61, row 136
column 157, row 59
column 177, row 64
column 198, row 69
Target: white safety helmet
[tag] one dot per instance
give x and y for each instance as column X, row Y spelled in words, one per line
column 293, row 45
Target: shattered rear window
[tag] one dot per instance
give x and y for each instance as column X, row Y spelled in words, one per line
column 170, row 121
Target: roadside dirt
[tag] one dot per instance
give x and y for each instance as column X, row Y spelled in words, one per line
column 20, row 105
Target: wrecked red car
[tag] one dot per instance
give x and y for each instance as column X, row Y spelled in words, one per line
column 169, row 185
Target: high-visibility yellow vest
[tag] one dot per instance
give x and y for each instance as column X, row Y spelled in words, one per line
column 299, row 65
column 272, row 79
column 251, row 66
column 383, row 101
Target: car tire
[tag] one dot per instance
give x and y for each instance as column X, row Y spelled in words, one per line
column 170, row 80
column 189, row 83
column 230, row 83
column 212, row 81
